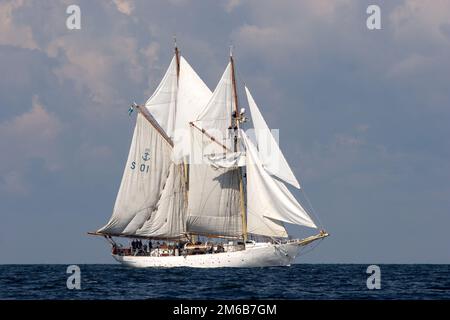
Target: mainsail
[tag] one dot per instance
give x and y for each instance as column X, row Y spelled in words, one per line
column 214, row 195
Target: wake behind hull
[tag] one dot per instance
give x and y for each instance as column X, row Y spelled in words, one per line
column 257, row 255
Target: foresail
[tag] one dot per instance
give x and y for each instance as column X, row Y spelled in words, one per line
column 268, row 197
column 213, row 192
column 144, row 179
column 162, row 104
column 168, row 218
column 270, row 154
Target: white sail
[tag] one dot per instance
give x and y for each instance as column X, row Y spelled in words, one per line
column 168, row 219
column 162, row 104
column 225, row 159
column 214, row 197
column 214, row 206
column 270, row 154
column 256, row 224
column 268, row 197
column 215, row 117
column 144, row 179
column 192, row 96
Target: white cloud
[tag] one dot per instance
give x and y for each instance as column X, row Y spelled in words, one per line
column 37, row 126
column 410, row 66
column 93, row 64
column 11, row 34
column 124, row 6
column 230, row 5
column 416, row 20
column 151, row 53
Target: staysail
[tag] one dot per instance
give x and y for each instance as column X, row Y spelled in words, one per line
column 269, row 152
column 267, row 197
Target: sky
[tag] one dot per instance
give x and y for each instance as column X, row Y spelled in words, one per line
column 363, row 115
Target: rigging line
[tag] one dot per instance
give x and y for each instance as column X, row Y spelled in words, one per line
column 313, row 247
column 316, row 216
column 240, row 78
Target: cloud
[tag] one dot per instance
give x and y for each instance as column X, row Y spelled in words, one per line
column 124, row 6
column 11, row 34
column 29, row 135
column 230, row 5
column 416, row 19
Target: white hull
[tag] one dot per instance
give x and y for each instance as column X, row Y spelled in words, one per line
column 260, row 254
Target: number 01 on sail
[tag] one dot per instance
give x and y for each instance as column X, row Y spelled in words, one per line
column 200, row 191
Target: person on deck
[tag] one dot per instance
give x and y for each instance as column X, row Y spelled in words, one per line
column 150, row 245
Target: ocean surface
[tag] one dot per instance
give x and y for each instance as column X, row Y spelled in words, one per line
column 302, row 281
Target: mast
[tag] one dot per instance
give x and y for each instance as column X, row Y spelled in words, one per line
column 235, row 120
column 177, row 57
column 184, row 165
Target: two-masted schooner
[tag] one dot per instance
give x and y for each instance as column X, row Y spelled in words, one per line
column 199, row 188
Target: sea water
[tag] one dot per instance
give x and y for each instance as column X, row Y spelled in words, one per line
column 301, row 281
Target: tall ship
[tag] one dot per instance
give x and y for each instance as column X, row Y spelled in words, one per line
column 205, row 184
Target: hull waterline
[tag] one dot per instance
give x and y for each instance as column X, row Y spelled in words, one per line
column 256, row 255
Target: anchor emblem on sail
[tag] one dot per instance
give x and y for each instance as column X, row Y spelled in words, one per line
column 146, row 155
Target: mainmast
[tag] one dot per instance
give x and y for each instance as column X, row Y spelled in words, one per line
column 184, row 165
column 235, row 120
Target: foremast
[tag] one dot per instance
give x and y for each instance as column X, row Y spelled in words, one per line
column 183, row 165
column 235, row 124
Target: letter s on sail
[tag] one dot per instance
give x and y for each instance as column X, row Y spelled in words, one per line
column 133, row 165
